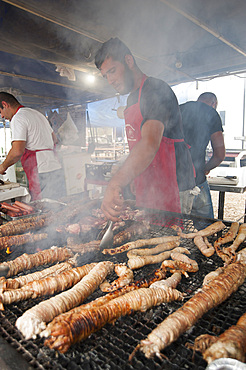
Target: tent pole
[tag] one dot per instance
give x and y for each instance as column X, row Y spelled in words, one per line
column 114, row 143
column 244, row 97
column 123, row 137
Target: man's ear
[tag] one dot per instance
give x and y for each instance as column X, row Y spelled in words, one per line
column 4, row 104
column 129, row 61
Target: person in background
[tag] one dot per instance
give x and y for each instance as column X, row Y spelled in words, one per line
column 202, row 124
column 159, row 161
column 33, row 142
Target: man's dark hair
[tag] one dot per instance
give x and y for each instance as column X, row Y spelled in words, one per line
column 9, row 98
column 207, row 95
column 114, row 48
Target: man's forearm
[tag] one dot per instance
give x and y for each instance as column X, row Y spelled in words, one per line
column 218, row 156
column 11, row 159
column 212, row 163
column 138, row 160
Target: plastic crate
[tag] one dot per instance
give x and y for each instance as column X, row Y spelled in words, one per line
column 98, row 172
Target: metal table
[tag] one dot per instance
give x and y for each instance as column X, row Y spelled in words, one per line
column 222, row 189
column 20, row 193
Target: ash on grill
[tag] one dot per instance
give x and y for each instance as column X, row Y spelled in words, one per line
column 110, row 347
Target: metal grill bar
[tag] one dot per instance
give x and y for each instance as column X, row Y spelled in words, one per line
column 110, row 347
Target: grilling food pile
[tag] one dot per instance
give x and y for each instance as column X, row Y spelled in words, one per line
column 65, row 318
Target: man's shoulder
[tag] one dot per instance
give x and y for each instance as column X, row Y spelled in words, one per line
column 155, row 83
column 30, row 113
column 193, row 104
column 158, row 89
column 198, row 108
column 188, row 104
column 28, row 110
column 198, row 105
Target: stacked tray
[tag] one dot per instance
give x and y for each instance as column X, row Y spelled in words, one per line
column 17, row 210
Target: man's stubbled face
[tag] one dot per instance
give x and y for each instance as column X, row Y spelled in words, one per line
column 118, row 74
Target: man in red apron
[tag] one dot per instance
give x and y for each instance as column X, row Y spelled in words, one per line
column 33, row 143
column 159, row 161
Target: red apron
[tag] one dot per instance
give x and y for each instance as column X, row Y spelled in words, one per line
column 29, row 164
column 157, row 186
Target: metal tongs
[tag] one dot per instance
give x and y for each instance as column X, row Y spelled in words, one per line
column 48, row 200
column 108, row 236
column 241, row 217
column 107, row 239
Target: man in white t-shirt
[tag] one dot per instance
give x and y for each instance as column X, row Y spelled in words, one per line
column 33, row 142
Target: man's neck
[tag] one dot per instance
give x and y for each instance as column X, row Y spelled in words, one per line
column 138, row 76
column 16, row 108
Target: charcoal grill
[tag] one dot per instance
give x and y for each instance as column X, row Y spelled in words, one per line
column 110, row 347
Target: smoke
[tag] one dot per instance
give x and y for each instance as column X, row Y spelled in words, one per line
column 166, row 37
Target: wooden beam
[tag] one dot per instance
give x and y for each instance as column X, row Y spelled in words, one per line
column 48, row 98
column 40, row 80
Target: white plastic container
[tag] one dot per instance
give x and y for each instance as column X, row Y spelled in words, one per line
column 74, row 170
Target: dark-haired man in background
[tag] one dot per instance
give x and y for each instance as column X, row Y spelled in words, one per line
column 33, row 142
column 159, row 161
column 202, row 124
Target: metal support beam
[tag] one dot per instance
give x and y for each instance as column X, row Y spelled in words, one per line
column 42, row 14
column 41, row 80
column 63, row 23
column 205, row 27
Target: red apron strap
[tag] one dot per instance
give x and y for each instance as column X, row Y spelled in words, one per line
column 141, row 86
column 21, row 106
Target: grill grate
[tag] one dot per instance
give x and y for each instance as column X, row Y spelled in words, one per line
column 110, row 347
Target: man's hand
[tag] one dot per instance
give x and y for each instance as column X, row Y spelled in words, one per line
column 2, row 169
column 112, row 202
column 137, row 161
column 15, row 153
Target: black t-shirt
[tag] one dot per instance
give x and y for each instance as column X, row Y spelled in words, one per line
column 200, row 121
column 158, row 102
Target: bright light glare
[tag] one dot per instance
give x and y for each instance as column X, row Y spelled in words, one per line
column 90, row 78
